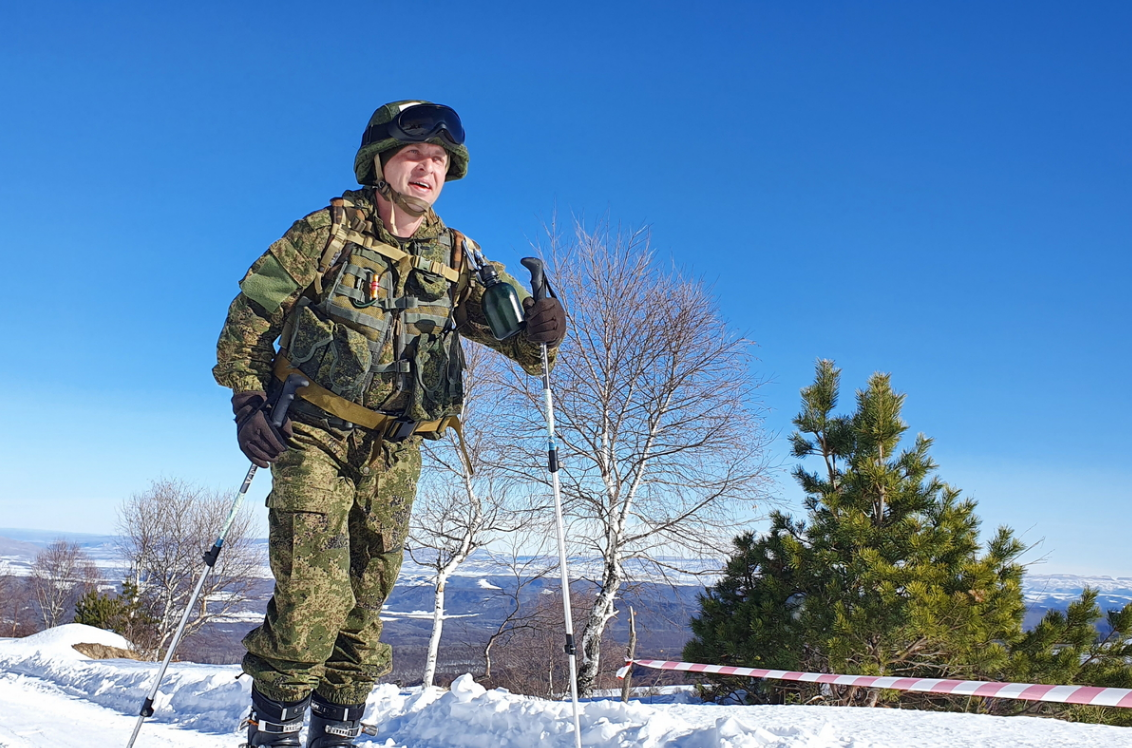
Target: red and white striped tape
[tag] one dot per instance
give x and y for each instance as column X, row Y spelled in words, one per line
column 1026, row 691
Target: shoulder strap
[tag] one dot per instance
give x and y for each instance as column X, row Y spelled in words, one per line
column 337, row 240
column 398, row 255
column 342, row 232
column 457, row 241
column 459, row 246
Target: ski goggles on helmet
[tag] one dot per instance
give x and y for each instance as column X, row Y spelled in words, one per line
column 418, row 123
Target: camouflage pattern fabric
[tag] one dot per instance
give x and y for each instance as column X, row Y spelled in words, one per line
column 340, row 500
column 335, row 544
column 245, row 351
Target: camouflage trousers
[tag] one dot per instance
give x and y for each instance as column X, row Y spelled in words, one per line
column 338, row 516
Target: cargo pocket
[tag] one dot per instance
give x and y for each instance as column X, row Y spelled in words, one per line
column 395, row 526
column 438, row 365
column 389, row 503
column 426, row 286
column 305, row 478
column 331, row 354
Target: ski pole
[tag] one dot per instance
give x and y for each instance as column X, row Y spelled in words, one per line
column 278, row 410
column 539, row 289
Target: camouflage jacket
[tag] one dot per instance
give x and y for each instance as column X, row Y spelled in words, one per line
column 286, row 273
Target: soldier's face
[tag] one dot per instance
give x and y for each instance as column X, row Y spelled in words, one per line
column 418, row 170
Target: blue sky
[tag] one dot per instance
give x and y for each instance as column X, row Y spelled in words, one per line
column 943, row 192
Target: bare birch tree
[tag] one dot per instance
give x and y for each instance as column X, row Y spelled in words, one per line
column 525, row 555
column 661, row 440
column 60, row 574
column 530, row 661
column 17, row 610
column 463, row 506
column 164, row 532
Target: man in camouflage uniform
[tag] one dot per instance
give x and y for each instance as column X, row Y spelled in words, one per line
column 368, row 299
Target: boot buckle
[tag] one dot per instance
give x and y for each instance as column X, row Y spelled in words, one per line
column 343, row 731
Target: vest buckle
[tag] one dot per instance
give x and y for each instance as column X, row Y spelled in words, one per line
column 400, row 429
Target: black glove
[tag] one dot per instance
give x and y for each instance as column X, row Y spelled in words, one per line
column 261, row 442
column 546, row 320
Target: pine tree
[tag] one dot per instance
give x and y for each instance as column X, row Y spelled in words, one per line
column 750, row 618
column 885, row 576
column 99, row 610
column 1064, row 648
column 123, row 613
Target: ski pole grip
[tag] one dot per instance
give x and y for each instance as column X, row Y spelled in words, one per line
column 538, row 277
column 285, row 397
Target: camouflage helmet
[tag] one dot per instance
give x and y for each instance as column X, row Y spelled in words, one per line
column 363, row 162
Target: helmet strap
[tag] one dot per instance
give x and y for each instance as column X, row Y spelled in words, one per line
column 411, row 205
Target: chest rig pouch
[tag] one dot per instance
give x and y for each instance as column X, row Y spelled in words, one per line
column 370, row 294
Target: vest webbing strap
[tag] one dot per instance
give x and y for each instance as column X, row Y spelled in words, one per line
column 340, row 407
column 336, row 241
column 340, row 233
column 401, row 256
column 459, row 241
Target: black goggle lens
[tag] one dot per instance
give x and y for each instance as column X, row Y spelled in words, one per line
column 423, row 121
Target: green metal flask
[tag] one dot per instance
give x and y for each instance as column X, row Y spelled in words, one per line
column 500, row 304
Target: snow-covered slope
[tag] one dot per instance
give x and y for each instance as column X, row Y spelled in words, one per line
column 51, row 696
column 1058, row 590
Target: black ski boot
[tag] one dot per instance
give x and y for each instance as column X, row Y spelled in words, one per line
column 275, row 723
column 334, row 725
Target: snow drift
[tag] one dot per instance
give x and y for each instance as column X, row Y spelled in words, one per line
column 53, row 696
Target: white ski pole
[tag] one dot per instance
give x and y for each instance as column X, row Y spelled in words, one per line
column 278, row 413
column 539, row 289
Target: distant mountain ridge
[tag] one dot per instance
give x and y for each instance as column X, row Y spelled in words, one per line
column 476, row 604
column 1049, row 591
column 1056, row 591
column 12, row 548
column 46, row 537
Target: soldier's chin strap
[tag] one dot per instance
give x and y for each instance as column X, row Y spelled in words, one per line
column 414, row 206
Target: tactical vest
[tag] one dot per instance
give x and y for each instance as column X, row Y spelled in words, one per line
column 366, row 294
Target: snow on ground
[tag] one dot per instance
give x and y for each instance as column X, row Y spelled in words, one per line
column 389, row 615
column 53, row 697
column 241, row 616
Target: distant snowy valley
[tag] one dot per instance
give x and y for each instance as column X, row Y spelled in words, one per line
column 474, row 606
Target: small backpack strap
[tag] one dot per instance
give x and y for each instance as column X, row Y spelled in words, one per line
column 456, row 240
column 459, row 247
column 337, row 240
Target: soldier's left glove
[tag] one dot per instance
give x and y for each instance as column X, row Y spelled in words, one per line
column 546, row 320
column 260, row 442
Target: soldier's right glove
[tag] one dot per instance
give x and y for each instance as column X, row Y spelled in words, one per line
column 260, row 442
column 546, row 320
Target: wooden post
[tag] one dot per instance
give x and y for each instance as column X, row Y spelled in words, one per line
column 630, row 653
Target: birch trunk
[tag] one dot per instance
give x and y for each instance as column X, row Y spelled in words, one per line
column 437, row 628
column 630, row 654
column 601, row 614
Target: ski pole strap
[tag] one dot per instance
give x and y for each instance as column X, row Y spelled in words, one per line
column 390, row 427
